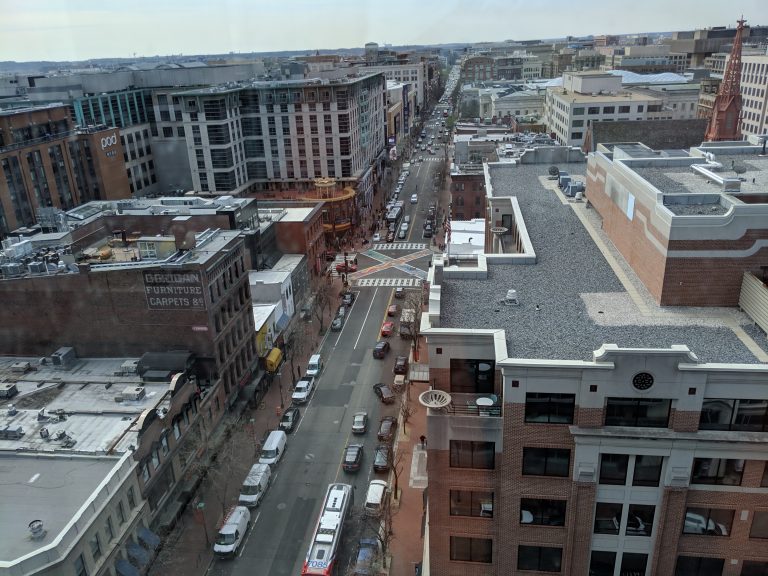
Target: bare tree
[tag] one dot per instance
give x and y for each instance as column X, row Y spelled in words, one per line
column 381, row 527
column 396, row 465
column 295, row 346
column 412, row 329
column 322, row 301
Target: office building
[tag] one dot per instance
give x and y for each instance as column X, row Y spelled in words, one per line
column 575, row 426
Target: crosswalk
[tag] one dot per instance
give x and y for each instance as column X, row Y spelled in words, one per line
column 388, row 282
column 400, row 246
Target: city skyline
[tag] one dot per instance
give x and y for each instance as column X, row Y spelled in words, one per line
column 45, row 31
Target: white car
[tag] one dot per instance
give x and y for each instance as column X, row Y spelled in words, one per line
column 377, row 237
column 404, row 226
column 415, row 199
column 303, row 390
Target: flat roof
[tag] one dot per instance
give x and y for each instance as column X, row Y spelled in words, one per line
column 297, row 214
column 671, row 179
column 47, row 488
column 581, row 302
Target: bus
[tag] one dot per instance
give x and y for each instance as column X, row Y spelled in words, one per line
column 321, row 558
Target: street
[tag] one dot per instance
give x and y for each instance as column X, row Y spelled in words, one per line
column 283, row 524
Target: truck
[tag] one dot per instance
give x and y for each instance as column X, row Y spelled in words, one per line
column 407, row 318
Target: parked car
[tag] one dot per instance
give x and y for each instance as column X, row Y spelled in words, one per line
column 390, row 236
column 401, row 364
column 393, row 310
column 348, row 298
column 290, row 419
column 387, row 328
column 407, row 218
column 404, row 226
column 353, row 457
column 360, row 423
column 427, row 232
column 384, row 393
column 387, row 427
column 376, row 237
column 400, row 292
column 348, row 267
column 303, row 389
column 381, row 349
column 381, row 458
column 402, row 234
column 337, row 324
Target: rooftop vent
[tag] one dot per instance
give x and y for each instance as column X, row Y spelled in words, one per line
column 36, row 530
column 20, row 367
column 8, row 390
column 11, row 433
column 133, row 393
column 511, row 298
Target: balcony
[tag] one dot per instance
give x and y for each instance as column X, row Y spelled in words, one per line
column 485, row 405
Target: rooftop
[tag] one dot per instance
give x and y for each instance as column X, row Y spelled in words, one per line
column 571, row 300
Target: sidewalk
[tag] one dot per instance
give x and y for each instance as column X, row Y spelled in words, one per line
column 407, row 548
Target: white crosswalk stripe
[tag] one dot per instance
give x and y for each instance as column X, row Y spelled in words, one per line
column 387, row 282
column 400, row 246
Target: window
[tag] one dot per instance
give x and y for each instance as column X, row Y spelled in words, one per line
column 578, row 124
column 549, row 408
column 471, row 549
column 593, row 110
column 164, row 443
column 155, row 458
column 546, row 461
column 121, row 512
column 640, row 108
column 131, row 498
column 717, row 471
column 176, row 428
column 623, row 109
column 167, row 132
column 468, row 454
column 640, row 520
column 708, row 521
column 759, row 525
column 609, row 109
column 607, row 518
column 641, row 412
column 109, row 529
column 695, row 566
column 576, row 135
column 576, row 112
column 542, row 512
column 472, row 376
column 752, row 568
column 468, row 503
column 80, row 568
column 95, row 547
column 144, row 470
column 541, row 558
column 633, row 563
column 602, row 563
column 647, row 470
column 723, row 414
column 764, row 481
column 613, row 469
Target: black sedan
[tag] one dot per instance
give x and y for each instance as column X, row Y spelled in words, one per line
column 382, row 458
column 387, row 427
column 401, row 365
column 384, row 393
column 290, row 419
column 381, row 349
column 353, row 456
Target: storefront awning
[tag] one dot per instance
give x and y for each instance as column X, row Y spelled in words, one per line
column 136, row 553
column 282, row 323
column 149, row 539
column 125, row 568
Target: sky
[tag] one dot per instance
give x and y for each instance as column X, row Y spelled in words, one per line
column 82, row 29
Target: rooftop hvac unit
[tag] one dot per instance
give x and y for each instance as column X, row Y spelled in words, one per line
column 63, row 357
column 11, row 433
column 8, row 390
column 12, row 269
column 134, row 393
column 37, row 267
column 20, row 367
column 129, row 367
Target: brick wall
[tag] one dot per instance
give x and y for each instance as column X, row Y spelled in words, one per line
column 684, row 420
column 589, row 417
column 580, row 518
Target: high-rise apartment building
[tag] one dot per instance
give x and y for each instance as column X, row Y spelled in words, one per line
column 47, row 163
column 574, row 426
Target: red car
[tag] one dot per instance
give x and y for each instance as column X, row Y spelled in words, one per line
column 393, row 310
column 387, row 328
column 349, row 267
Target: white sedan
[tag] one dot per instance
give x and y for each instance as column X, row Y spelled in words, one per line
column 377, row 237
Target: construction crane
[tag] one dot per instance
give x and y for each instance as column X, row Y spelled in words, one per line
column 725, row 123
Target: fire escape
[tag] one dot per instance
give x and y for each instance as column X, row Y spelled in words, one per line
column 725, row 123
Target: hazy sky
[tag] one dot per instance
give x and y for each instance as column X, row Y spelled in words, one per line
column 81, row 29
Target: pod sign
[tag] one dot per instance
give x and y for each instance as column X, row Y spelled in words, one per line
column 108, row 141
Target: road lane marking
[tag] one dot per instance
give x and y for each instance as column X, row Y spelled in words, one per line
column 364, row 320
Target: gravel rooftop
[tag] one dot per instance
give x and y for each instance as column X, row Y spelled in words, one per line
column 582, row 304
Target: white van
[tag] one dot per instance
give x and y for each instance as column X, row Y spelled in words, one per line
column 375, row 499
column 232, row 533
column 315, row 365
column 255, row 485
column 273, row 448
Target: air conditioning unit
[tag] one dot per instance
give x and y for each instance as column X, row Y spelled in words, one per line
column 20, row 367
column 8, row 390
column 134, row 393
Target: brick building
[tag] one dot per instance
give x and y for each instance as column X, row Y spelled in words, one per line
column 689, row 226
column 467, row 191
column 574, row 426
column 46, row 162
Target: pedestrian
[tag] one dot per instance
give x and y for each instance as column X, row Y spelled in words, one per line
column 423, row 440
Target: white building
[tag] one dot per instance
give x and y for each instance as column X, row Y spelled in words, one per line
column 754, row 95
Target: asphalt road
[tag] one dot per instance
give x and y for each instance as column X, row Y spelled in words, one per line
column 283, row 523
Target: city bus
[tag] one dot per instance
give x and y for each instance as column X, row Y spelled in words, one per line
column 321, row 558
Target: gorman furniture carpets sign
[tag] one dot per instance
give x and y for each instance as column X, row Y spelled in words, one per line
column 177, row 290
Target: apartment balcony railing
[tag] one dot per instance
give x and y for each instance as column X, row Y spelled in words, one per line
column 474, row 405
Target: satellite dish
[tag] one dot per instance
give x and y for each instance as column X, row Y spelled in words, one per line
column 435, row 399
